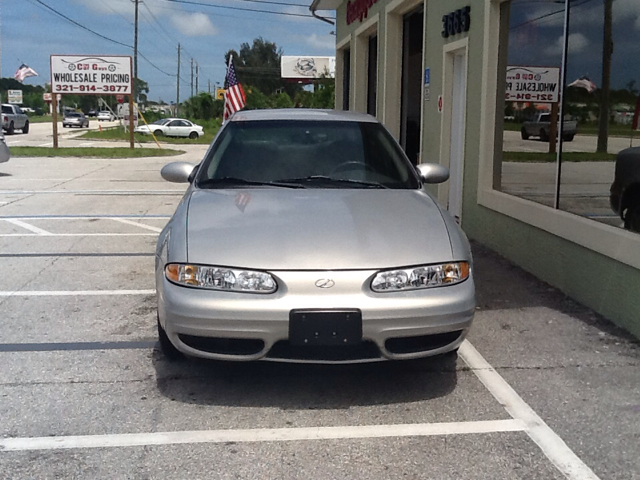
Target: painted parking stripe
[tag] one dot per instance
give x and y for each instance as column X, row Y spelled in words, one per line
column 78, row 235
column 549, row 442
column 27, row 226
column 73, row 217
column 93, row 192
column 77, row 346
column 140, row 225
column 71, row 293
column 258, row 435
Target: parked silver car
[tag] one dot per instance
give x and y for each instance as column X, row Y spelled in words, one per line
column 75, row 119
column 5, row 153
column 306, row 235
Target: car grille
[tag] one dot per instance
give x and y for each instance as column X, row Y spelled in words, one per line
column 283, row 350
column 422, row 343
column 225, row 346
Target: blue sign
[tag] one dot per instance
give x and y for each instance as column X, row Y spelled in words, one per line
column 427, row 75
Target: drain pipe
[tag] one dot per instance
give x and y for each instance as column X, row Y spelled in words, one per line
column 313, row 8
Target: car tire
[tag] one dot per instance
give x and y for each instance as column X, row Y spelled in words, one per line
column 543, row 135
column 25, row 129
column 193, row 135
column 632, row 218
column 166, row 347
column 523, row 134
column 159, row 133
column 568, row 138
column 11, row 129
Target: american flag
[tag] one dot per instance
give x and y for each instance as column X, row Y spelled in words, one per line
column 234, row 98
column 23, row 72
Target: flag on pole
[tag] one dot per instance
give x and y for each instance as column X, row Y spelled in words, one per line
column 585, row 83
column 234, row 98
column 24, row 71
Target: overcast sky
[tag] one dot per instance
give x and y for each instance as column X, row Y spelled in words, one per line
column 30, row 33
column 536, row 38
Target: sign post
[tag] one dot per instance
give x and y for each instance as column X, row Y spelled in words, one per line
column 54, row 116
column 131, row 126
column 90, row 75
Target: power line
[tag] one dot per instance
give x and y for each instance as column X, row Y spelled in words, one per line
column 547, row 15
column 190, row 2
column 56, row 12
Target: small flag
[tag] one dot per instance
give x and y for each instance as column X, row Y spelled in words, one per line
column 234, row 98
column 585, row 83
column 24, row 71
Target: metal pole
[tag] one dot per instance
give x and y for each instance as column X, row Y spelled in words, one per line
column 197, row 77
column 563, row 81
column 209, row 86
column 135, row 55
column 54, row 118
column 131, row 124
column 192, row 77
column 178, row 86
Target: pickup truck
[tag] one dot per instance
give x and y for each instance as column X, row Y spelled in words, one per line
column 539, row 127
column 625, row 190
column 14, row 119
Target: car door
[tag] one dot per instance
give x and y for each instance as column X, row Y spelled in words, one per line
column 181, row 128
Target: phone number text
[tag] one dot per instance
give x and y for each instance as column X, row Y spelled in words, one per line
column 124, row 89
column 534, row 97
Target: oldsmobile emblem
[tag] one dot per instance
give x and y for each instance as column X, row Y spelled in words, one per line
column 325, row 283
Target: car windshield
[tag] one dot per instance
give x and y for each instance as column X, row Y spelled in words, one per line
column 312, row 154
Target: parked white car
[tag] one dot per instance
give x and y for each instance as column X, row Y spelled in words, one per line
column 105, row 115
column 172, row 127
column 5, row 153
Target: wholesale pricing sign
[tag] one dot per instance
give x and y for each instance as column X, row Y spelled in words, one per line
column 91, row 75
column 532, row 84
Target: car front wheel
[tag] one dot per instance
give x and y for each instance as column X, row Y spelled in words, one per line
column 632, row 218
column 524, row 134
column 25, row 129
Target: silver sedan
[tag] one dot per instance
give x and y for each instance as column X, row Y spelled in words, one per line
column 308, row 236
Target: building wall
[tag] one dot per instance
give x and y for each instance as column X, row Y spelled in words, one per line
column 596, row 264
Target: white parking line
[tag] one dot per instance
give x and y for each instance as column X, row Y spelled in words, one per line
column 72, row 293
column 48, row 144
column 258, row 435
column 549, row 442
column 78, row 234
column 93, row 192
column 130, row 222
column 27, row 226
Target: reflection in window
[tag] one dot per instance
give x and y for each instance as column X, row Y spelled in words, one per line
column 601, row 97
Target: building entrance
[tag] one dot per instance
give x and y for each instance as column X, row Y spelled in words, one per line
column 410, row 116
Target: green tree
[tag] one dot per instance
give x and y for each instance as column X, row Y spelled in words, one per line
column 258, row 66
column 141, row 91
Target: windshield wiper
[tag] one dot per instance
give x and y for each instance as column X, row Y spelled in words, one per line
column 227, row 181
column 330, row 180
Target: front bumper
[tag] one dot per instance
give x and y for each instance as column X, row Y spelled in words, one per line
column 239, row 326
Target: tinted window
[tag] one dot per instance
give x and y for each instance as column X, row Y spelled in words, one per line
column 7, row 109
column 267, row 151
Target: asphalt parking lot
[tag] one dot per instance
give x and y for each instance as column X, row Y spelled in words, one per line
column 543, row 388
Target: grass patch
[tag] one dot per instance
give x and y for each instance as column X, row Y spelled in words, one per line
column 590, row 129
column 536, row 157
column 93, row 152
column 41, row 119
column 211, row 127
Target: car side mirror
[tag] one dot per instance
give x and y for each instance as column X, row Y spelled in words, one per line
column 177, row 172
column 433, row 172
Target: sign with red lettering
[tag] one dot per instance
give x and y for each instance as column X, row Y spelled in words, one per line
column 90, row 74
column 532, row 84
column 358, row 10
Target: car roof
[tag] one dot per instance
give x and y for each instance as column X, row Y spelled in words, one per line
column 301, row 114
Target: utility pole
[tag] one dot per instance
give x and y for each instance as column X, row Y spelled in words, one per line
column 135, row 55
column 197, row 77
column 209, row 86
column 178, row 87
column 192, row 76
column 607, row 52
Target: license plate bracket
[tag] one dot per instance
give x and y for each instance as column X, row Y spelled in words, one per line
column 317, row 327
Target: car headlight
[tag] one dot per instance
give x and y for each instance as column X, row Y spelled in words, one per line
column 220, row 278
column 426, row 276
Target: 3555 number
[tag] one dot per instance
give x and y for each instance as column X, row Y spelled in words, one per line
column 456, row 22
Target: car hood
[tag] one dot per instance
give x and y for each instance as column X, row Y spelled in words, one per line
column 315, row 229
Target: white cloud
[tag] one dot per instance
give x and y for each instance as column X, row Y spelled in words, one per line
column 194, row 25
column 321, row 42
column 627, row 9
column 577, row 43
